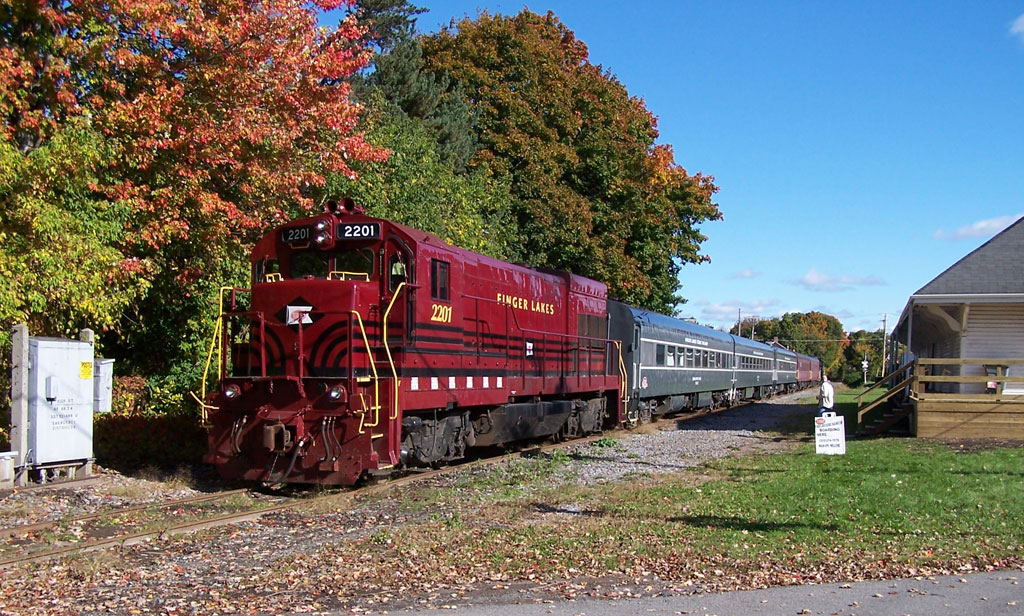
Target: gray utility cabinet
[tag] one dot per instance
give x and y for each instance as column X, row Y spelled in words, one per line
column 60, row 401
column 103, row 383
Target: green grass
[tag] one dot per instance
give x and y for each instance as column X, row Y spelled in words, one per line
column 888, row 505
column 846, row 405
column 896, row 497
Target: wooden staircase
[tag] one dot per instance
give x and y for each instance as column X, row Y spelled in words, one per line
column 895, row 412
column 888, row 419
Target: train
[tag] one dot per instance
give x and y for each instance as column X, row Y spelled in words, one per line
column 364, row 346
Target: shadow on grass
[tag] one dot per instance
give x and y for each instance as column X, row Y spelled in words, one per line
column 741, row 524
column 546, row 508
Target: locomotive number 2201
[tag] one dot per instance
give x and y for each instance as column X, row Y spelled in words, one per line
column 441, row 313
column 359, row 231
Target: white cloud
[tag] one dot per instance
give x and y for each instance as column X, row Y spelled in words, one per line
column 1017, row 28
column 726, row 312
column 981, row 228
column 746, row 274
column 814, row 280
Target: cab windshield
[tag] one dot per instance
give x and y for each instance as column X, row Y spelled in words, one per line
column 349, row 264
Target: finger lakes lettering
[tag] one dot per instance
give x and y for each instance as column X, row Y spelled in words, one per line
column 523, row 303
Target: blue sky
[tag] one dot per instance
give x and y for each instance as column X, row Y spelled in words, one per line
column 860, row 148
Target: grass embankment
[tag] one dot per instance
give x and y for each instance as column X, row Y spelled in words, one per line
column 889, row 507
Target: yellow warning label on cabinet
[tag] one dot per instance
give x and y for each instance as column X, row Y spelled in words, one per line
column 86, row 369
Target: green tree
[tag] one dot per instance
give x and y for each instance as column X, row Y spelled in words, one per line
column 416, row 187
column 60, row 266
column 435, row 100
column 863, row 344
column 593, row 191
column 386, row 23
column 817, row 334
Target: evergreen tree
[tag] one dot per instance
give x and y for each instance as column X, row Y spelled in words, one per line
column 436, row 100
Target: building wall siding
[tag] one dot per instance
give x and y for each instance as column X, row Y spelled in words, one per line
column 993, row 330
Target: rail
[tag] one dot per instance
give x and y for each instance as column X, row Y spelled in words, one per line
column 216, row 343
column 375, row 406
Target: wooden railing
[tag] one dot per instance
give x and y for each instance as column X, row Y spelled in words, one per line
column 902, row 377
column 928, row 371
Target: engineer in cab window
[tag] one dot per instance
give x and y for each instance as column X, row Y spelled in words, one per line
column 398, row 271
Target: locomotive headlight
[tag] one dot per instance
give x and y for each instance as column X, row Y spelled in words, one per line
column 323, row 224
column 336, row 393
column 322, row 238
column 232, row 391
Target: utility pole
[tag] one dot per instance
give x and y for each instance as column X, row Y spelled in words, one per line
column 753, row 324
column 739, row 321
column 885, row 341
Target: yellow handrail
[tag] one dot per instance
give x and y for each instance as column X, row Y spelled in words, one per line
column 622, row 372
column 376, row 385
column 387, row 349
column 216, row 342
column 362, row 413
column 344, row 275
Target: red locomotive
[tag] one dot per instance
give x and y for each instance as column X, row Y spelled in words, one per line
column 364, row 345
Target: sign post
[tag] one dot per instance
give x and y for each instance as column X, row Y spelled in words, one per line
column 830, row 434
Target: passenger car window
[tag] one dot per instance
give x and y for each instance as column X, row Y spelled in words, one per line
column 660, row 355
column 647, row 353
column 670, row 356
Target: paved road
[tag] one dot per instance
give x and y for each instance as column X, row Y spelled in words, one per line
column 981, row 594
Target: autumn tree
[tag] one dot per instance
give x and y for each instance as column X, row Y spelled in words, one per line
column 594, row 191
column 216, row 119
column 812, row 333
column 817, row 334
column 864, row 345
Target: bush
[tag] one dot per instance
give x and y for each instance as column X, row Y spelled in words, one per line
column 128, row 443
column 148, row 426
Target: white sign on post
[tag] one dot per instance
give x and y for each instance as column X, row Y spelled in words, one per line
column 830, row 434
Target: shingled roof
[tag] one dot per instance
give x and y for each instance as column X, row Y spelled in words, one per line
column 993, row 267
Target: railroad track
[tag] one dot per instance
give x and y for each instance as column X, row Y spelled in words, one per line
column 130, row 538
column 29, row 532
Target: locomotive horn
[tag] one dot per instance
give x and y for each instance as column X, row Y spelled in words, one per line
column 346, row 206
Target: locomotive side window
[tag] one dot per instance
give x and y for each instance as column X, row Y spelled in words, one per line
column 439, row 280
column 398, row 271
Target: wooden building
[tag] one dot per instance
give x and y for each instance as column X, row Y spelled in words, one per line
column 965, row 332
